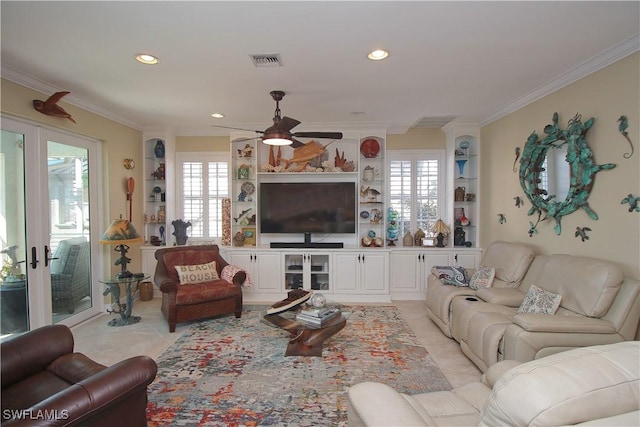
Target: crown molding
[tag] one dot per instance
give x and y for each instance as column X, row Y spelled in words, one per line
column 590, row 66
column 32, row 82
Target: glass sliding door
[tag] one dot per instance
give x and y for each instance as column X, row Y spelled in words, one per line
column 48, row 192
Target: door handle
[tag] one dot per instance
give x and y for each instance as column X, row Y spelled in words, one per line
column 34, row 257
column 47, row 251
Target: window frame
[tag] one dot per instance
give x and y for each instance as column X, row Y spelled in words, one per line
column 204, row 158
column 413, row 156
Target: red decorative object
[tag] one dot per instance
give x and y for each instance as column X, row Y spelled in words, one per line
column 370, row 148
column 50, row 107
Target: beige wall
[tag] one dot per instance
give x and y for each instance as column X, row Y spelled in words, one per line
column 118, row 142
column 615, row 236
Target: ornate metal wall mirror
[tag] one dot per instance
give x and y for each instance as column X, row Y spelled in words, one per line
column 557, row 173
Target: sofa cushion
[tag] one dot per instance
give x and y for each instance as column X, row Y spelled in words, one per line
column 588, row 286
column 567, row 388
column 540, row 301
column 511, row 261
column 482, row 277
column 449, row 275
column 198, row 273
column 196, row 293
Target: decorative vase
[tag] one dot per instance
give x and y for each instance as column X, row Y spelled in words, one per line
column 407, row 240
column 461, row 164
column 459, row 236
column 158, row 150
column 180, row 231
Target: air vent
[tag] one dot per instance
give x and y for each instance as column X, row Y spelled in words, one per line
column 266, row 60
column 433, row 122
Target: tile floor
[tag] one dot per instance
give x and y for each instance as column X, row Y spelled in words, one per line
column 108, row 345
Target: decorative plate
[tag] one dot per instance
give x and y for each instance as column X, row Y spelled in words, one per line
column 364, row 214
column 157, row 190
column 370, row 148
column 464, row 144
column 248, row 187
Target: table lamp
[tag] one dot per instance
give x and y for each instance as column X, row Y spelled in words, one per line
column 441, row 230
column 120, row 233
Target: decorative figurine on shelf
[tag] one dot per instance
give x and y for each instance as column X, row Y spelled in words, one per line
column 459, row 236
column 238, row 239
column 369, row 194
column 407, row 240
column 180, row 231
column 247, row 151
column 158, row 150
column 159, row 173
column 244, row 171
column 339, row 161
column 459, row 194
column 392, row 229
column 161, row 230
column 419, row 237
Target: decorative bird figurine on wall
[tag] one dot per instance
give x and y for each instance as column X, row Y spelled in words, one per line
column 50, row 107
column 582, row 233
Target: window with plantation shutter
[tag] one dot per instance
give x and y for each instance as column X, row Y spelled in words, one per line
column 416, row 188
column 203, row 181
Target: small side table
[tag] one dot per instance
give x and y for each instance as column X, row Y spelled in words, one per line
column 131, row 284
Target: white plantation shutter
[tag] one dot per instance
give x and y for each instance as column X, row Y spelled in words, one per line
column 204, row 181
column 416, row 191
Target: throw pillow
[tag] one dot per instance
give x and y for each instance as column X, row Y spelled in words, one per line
column 456, row 276
column 482, row 277
column 229, row 271
column 198, row 273
column 537, row 300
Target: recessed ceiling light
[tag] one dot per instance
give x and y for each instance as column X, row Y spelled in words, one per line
column 145, row 58
column 378, row 55
column 217, row 115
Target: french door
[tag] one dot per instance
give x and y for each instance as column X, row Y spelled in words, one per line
column 48, row 202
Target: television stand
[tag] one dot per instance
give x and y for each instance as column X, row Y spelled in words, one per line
column 307, row 245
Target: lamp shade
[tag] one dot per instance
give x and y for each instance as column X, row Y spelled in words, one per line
column 440, row 227
column 120, row 231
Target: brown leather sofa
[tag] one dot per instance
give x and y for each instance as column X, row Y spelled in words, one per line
column 44, row 383
column 194, row 301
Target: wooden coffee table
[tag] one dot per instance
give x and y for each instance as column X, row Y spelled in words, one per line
column 306, row 339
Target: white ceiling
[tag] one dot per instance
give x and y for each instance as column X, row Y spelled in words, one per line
column 471, row 60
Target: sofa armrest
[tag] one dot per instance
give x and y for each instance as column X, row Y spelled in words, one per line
column 92, row 395
column 24, row 355
column 497, row 370
column 167, row 285
column 510, row 297
column 377, row 404
column 559, row 323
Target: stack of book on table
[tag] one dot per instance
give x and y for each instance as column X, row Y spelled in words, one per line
column 317, row 316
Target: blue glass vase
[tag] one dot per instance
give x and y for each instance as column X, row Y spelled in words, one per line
column 158, row 150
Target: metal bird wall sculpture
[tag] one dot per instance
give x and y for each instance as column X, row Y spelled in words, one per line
column 50, row 107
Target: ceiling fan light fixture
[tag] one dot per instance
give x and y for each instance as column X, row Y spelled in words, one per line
column 146, row 58
column 277, row 141
column 378, row 55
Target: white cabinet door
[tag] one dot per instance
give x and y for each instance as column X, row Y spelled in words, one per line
column 374, row 273
column 148, row 259
column 263, row 267
column 466, row 259
column 404, row 271
column 347, row 272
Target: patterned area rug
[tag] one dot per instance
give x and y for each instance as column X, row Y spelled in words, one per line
column 230, row 371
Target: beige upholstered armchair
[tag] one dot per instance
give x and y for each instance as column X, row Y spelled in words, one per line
column 199, row 294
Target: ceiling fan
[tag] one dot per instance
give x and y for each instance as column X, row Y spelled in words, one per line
column 280, row 133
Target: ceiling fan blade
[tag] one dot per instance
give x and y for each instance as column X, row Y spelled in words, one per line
column 295, row 143
column 327, row 135
column 245, row 139
column 286, row 124
column 229, row 127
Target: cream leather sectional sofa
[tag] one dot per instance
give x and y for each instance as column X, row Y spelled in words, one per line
column 598, row 385
column 598, row 306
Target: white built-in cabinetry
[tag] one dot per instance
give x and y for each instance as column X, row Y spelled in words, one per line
column 409, row 268
column 362, row 273
column 265, row 270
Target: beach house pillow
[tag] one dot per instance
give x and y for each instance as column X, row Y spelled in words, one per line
column 482, row 277
column 537, row 300
column 456, row 276
column 198, row 273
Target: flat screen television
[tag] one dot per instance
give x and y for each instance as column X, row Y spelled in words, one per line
column 308, row 207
